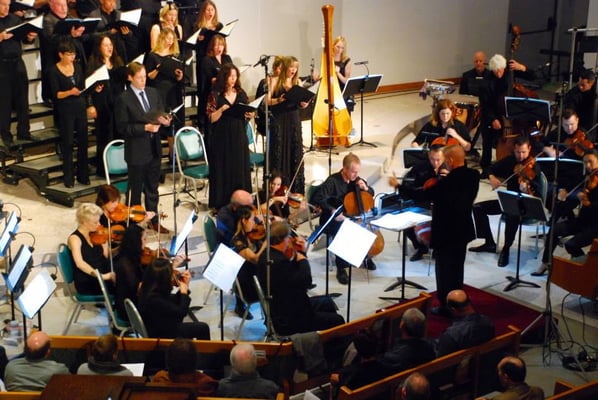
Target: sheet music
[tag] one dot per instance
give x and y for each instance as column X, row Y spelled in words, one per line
column 36, row 293
column 256, row 103
column 177, row 241
column 193, row 38
column 37, row 22
column 228, row 28
column 223, row 268
column 400, row 221
column 132, row 16
column 100, row 74
column 352, row 242
column 135, row 368
column 28, row 3
column 139, row 58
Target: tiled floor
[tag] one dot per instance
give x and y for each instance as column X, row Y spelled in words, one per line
column 384, row 115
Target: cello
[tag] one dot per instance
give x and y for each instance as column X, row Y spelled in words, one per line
column 331, row 119
column 360, row 203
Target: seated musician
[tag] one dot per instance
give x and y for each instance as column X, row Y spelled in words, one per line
column 330, row 196
column 582, row 98
column 278, row 205
column 444, row 124
column 584, row 227
column 572, row 136
column 292, row 310
column 226, row 220
column 473, row 80
column 250, row 244
column 87, row 255
column 412, row 188
column 507, row 171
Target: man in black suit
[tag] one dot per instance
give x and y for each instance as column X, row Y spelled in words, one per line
column 473, row 80
column 139, row 115
column 452, row 226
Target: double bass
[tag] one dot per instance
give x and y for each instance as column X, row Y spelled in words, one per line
column 331, row 119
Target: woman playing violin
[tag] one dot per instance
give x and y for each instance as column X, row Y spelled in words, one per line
column 278, row 205
column 584, row 227
column 444, row 124
column 88, row 256
column 524, row 177
column 250, row 246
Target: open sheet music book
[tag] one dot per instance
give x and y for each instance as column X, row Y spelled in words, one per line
column 21, row 30
column 208, row 33
column 37, row 292
column 63, row 26
column 99, row 75
column 400, row 221
column 352, row 242
column 127, row 18
column 238, row 110
column 223, row 267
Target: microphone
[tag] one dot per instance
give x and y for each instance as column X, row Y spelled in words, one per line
column 361, row 63
column 264, row 58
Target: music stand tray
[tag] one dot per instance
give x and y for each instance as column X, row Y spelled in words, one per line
column 521, row 206
column 362, row 84
column 527, row 109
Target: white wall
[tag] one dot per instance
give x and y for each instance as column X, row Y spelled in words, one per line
column 406, row 40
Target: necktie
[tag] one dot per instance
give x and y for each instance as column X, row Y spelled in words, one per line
column 144, row 102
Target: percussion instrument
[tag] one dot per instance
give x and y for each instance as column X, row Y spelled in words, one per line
column 468, row 109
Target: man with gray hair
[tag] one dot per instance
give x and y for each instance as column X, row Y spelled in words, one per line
column 244, row 380
column 415, row 387
column 411, row 349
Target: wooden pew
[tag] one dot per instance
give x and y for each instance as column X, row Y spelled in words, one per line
column 589, row 391
column 457, row 371
column 335, row 340
column 575, row 277
column 20, row 395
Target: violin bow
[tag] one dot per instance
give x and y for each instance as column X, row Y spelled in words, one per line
column 517, row 173
column 296, row 174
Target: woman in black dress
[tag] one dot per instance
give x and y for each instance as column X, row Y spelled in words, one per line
column 66, row 83
column 446, row 126
column 104, row 94
column 229, row 148
column 88, row 256
column 286, row 141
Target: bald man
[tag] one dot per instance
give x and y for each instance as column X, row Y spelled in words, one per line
column 511, row 373
column 415, row 387
column 244, row 380
column 468, row 329
column 32, row 373
column 452, row 225
column 473, row 80
column 226, row 220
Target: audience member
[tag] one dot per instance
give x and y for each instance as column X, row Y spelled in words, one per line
column 511, row 373
column 468, row 329
column 32, row 372
column 244, row 380
column 415, row 387
column 103, row 359
column 181, row 367
column 411, row 349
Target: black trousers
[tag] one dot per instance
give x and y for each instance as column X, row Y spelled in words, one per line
column 145, row 178
column 481, row 211
column 73, row 123
column 489, row 136
column 450, row 264
column 15, row 89
column 583, row 233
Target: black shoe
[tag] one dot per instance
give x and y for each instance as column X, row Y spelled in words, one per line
column 485, row 248
column 484, row 175
column 312, row 286
column 7, row 139
column 503, row 258
column 26, row 137
column 541, row 270
column 84, row 181
column 441, row 312
column 240, row 311
column 418, row 255
column 341, row 276
column 69, row 185
column 369, row 264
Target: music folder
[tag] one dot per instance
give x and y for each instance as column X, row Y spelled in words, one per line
column 209, row 33
column 22, row 5
column 169, row 65
column 36, row 294
column 126, row 18
column 63, row 26
column 99, row 75
column 20, row 31
column 238, row 110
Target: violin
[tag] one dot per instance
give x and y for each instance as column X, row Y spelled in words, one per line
column 257, row 233
column 148, row 255
column 293, row 199
column 579, row 143
column 591, row 184
column 99, row 236
column 295, row 246
column 121, row 213
column 526, row 173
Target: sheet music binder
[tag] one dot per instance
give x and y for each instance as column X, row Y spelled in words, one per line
column 20, row 31
column 63, row 26
column 126, row 18
column 169, row 65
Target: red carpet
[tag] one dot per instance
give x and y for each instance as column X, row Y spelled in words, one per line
column 502, row 311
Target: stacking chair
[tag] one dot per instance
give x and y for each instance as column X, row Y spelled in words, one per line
column 135, row 319
column 256, row 159
column 67, row 266
column 115, row 164
column 192, row 160
column 209, row 231
column 530, row 221
column 122, row 326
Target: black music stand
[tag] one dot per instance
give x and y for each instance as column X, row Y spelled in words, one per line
column 526, row 109
column 428, row 138
column 361, row 84
column 414, row 155
column 521, row 206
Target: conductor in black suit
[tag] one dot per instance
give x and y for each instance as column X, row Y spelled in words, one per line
column 139, row 117
column 452, row 225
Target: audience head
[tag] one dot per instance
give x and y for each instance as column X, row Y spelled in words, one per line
column 444, row 112
column 37, row 346
column 88, row 215
column 243, row 359
column 208, row 14
column 586, row 80
column 497, row 65
column 105, row 348
column 181, row 357
column 366, row 343
column 279, row 231
column 136, row 75
column 458, row 303
column 511, row 370
column 454, row 156
column 415, row 387
column 351, row 166
column 479, row 61
column 413, row 323
column 241, row 198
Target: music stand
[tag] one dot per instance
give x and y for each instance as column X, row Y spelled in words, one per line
column 361, row 84
column 521, row 206
column 527, row 109
column 570, row 171
column 414, row 155
column 428, row 138
column 35, row 296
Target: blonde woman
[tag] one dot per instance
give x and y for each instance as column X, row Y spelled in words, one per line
column 169, row 18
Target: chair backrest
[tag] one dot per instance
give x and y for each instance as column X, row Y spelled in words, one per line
column 543, row 187
column 114, row 159
column 108, row 302
column 190, row 145
column 250, row 134
column 209, row 230
column 66, row 265
column 135, row 319
column 312, row 188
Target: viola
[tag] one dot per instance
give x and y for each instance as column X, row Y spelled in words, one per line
column 121, row 213
column 148, row 255
column 294, row 199
column 257, row 233
column 579, row 143
column 99, row 236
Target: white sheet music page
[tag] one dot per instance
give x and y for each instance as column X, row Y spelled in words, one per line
column 223, row 268
column 352, row 242
column 400, row 221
